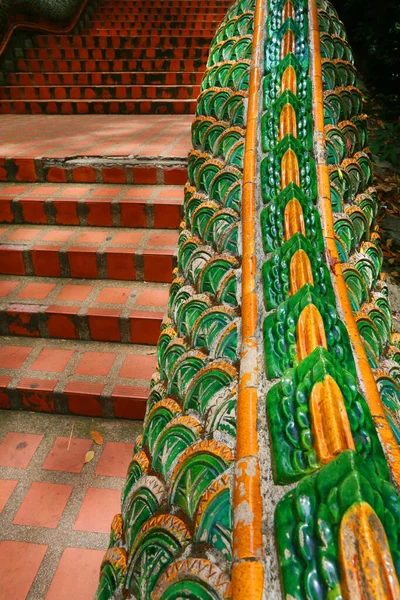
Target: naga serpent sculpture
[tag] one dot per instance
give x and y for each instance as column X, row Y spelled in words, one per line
column 269, row 464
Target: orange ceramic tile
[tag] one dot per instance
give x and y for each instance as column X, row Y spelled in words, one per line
column 37, row 394
column 17, row 449
column 37, row 290
column 77, row 575
column 129, row 401
column 58, row 235
column 120, row 263
column 52, row 360
column 99, row 212
column 153, row 298
column 147, row 175
column 138, row 366
column 84, row 398
column 45, row 261
column 145, row 326
column 163, row 239
column 83, row 262
column 61, row 321
column 158, row 265
column 84, row 174
column 43, row 505
column 12, row 357
column 66, row 211
column 25, row 234
column 114, row 295
column 131, row 238
column 139, row 192
column 104, row 324
column 114, row 460
column 106, row 191
column 72, row 292
column 98, row 509
column 33, row 210
column 43, row 190
column 19, row 563
column 92, row 237
column 7, row 486
column 66, row 455
column 95, row 363
column 175, row 176
column 133, row 213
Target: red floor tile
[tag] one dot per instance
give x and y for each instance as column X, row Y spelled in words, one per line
column 98, row 510
column 77, row 575
column 153, row 298
column 43, row 505
column 7, row 486
column 92, row 237
column 19, row 563
column 130, row 238
column 12, row 357
column 114, row 295
column 23, row 234
column 17, row 449
column 77, row 293
column 61, row 235
column 106, row 192
column 163, row 239
column 6, row 287
column 37, row 290
column 137, row 366
column 62, row 458
column 114, row 460
column 95, row 363
column 51, row 359
column 74, row 190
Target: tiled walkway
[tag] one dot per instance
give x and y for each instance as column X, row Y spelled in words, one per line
column 63, row 136
column 55, row 509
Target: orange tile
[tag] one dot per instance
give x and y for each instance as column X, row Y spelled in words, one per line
column 139, row 192
column 19, row 563
column 6, row 287
column 145, row 326
column 52, row 360
column 98, row 509
column 43, row 505
column 74, row 190
column 46, row 261
column 163, row 239
column 77, row 575
column 153, row 298
column 83, row 262
column 12, row 357
column 138, row 366
column 37, row 290
column 58, row 235
column 23, row 234
column 66, row 455
column 37, row 394
column 17, row 449
column 147, row 175
column 12, row 260
column 61, row 321
column 129, row 401
column 95, row 363
column 120, row 263
column 84, row 398
column 106, row 191
column 92, row 237
column 114, row 460
column 158, row 265
column 104, row 324
column 114, row 295
column 72, row 292
column 131, row 238
column 7, row 486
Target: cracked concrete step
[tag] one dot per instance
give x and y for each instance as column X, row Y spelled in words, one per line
column 95, row 205
column 79, row 107
column 100, row 92
column 82, row 310
column 81, row 378
column 111, row 78
column 88, row 253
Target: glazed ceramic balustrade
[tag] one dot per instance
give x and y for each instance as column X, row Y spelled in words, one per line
column 276, row 396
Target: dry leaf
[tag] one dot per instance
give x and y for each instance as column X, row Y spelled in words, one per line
column 389, row 242
column 89, row 456
column 97, row 437
column 394, row 273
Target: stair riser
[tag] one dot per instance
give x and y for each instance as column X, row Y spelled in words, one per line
column 105, row 66
column 40, row 399
column 88, row 263
column 160, row 27
column 136, row 39
column 83, row 107
column 35, row 170
column 100, row 214
column 58, row 322
column 88, row 79
column 111, row 54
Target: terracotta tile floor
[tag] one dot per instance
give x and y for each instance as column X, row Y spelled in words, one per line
column 55, row 509
column 59, row 136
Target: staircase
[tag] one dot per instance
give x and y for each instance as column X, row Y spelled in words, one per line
column 141, row 57
column 87, row 251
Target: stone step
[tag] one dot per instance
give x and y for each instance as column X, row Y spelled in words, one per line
column 115, row 92
column 106, row 79
column 94, row 205
column 81, row 378
column 146, row 65
column 137, row 38
column 82, row 310
column 112, row 54
column 87, row 253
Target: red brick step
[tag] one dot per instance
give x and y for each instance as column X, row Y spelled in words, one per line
column 111, row 78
